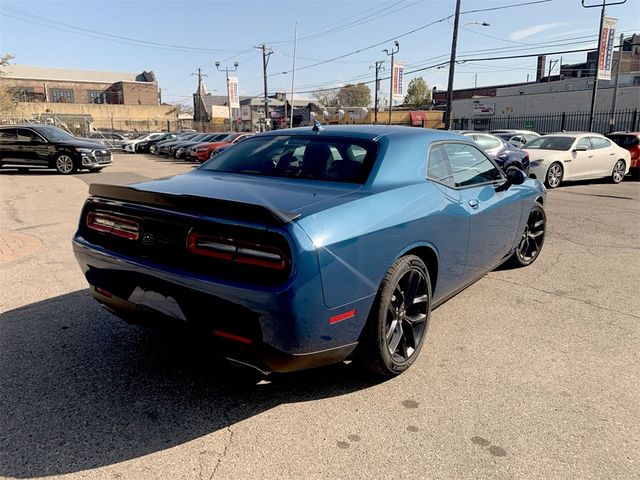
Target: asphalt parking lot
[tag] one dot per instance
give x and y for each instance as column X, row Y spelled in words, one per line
column 530, row 373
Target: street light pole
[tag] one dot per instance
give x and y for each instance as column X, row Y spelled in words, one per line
column 227, row 70
column 392, row 54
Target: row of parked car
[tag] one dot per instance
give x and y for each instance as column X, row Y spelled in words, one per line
column 189, row 146
column 558, row 157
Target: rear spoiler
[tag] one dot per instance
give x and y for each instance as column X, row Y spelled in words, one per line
column 213, row 207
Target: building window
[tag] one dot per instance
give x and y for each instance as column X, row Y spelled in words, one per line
column 60, row 95
column 96, row 96
column 636, row 81
column 24, row 94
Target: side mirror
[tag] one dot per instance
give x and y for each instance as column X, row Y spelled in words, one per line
column 580, row 148
column 515, row 176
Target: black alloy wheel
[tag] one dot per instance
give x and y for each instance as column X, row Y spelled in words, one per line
column 532, row 238
column 397, row 326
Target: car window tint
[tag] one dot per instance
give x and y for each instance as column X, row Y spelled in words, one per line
column 296, row 156
column 625, row 140
column 24, row 135
column 470, row 166
column 551, row 143
column 438, row 168
column 598, row 142
column 584, row 142
column 8, row 135
column 487, row 142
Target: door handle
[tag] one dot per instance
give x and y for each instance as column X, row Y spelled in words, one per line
column 473, row 203
column 612, row 153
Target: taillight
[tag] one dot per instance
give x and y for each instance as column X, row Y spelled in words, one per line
column 114, row 225
column 238, row 251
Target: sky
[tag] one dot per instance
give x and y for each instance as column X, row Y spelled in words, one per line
column 338, row 41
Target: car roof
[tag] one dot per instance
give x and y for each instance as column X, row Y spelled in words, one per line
column 573, row 134
column 367, row 132
column 637, row 134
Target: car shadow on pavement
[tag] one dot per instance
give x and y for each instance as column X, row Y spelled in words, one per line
column 80, row 389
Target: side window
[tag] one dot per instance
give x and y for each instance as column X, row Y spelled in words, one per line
column 486, row 142
column 584, row 141
column 439, row 168
column 470, row 166
column 7, row 135
column 598, row 142
column 24, row 135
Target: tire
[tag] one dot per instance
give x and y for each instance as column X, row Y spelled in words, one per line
column 617, row 174
column 398, row 322
column 532, row 239
column 153, row 150
column 553, row 177
column 65, row 164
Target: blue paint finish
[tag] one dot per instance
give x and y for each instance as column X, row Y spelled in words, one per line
column 343, row 239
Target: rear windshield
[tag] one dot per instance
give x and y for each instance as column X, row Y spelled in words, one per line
column 625, row 140
column 550, row 143
column 304, row 157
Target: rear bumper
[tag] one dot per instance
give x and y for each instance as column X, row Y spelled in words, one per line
column 279, row 330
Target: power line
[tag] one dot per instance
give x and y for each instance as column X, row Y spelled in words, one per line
column 57, row 25
column 422, row 27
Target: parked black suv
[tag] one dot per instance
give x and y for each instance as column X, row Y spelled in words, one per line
column 26, row 146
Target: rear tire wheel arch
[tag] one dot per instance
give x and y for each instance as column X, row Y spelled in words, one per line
column 617, row 173
column 398, row 321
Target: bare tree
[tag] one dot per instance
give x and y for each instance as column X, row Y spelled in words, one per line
column 327, row 97
column 6, row 94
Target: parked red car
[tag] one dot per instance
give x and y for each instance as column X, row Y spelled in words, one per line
column 202, row 151
column 629, row 141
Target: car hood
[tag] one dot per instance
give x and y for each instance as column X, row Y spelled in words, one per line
column 82, row 143
column 288, row 195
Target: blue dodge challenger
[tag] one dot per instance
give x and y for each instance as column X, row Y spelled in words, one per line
column 304, row 247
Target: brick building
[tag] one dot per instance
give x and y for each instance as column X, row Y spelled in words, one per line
column 61, row 85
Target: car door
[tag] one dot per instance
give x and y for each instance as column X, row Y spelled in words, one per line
column 8, row 145
column 604, row 157
column 32, row 149
column 494, row 215
column 452, row 222
column 580, row 163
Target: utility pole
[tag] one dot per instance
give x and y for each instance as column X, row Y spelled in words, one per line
column 475, row 81
column 266, row 53
column 391, row 54
column 378, row 66
column 612, row 118
column 293, row 75
column 452, row 63
column 594, row 93
column 199, row 103
column 227, row 70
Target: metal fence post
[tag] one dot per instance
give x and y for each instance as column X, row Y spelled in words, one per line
column 563, row 121
column 634, row 121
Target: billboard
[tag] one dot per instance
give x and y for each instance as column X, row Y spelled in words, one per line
column 484, row 109
column 234, row 96
column 397, row 87
column 605, row 49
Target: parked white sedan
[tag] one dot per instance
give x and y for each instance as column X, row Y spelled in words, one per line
column 557, row 157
